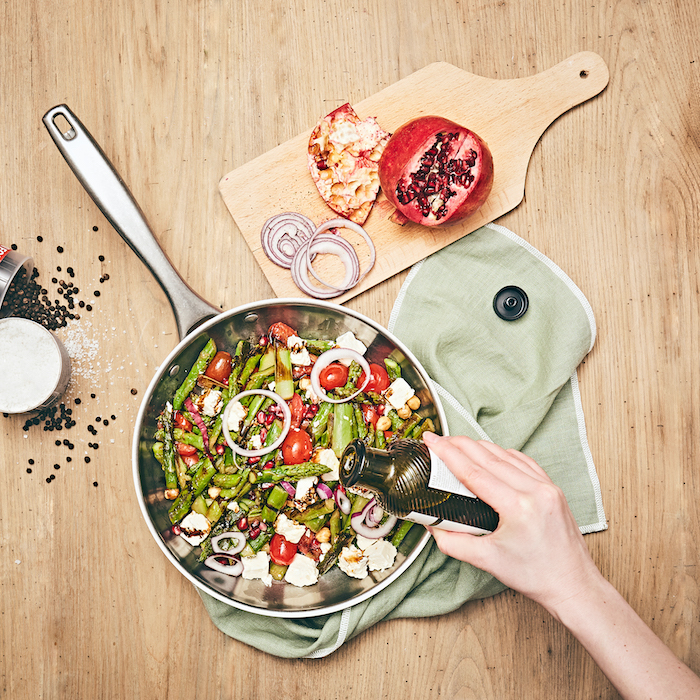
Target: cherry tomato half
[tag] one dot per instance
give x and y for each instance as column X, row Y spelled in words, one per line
column 297, row 409
column 179, row 421
column 183, row 449
column 190, row 460
column 333, row 376
column 281, row 332
column 378, row 379
column 370, row 413
column 219, row 368
column 282, row 551
column 297, row 447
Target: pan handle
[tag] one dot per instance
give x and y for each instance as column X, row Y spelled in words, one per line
column 102, row 182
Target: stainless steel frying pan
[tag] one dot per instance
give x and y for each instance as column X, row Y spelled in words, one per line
column 197, row 321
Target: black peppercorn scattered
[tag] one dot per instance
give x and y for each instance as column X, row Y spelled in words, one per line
column 134, row 392
column 59, row 248
column 29, row 471
column 87, row 459
column 94, row 483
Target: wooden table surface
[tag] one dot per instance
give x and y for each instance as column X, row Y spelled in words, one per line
column 179, row 94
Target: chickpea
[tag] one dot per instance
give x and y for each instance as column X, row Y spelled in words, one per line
column 172, row 494
column 413, row 403
column 324, row 535
column 404, row 412
column 383, row 423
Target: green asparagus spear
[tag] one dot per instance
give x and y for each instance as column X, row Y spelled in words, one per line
column 284, row 382
column 205, row 357
column 343, row 420
column 393, row 368
column 292, row 472
column 169, row 448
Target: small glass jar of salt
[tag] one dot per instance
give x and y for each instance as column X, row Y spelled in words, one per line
column 34, row 366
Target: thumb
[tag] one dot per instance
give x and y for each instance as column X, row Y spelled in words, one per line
column 459, row 545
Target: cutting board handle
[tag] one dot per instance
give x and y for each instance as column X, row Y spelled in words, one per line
column 554, row 91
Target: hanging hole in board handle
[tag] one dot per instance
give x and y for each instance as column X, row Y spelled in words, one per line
column 64, row 127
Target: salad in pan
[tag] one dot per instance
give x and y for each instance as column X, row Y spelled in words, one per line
column 250, row 445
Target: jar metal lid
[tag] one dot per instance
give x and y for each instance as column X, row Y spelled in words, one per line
column 11, row 262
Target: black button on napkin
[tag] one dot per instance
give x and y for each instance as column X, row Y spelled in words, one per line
column 510, row 303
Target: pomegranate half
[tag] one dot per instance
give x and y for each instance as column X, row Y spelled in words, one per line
column 436, row 172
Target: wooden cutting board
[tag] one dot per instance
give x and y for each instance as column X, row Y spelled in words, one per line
column 510, row 115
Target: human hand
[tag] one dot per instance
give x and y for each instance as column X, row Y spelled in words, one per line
column 537, row 548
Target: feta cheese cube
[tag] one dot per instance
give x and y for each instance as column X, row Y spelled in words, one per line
column 381, row 554
column 194, row 528
column 299, row 354
column 353, row 562
column 212, row 403
column 327, row 457
column 348, row 340
column 291, row 530
column 236, row 415
column 257, row 567
column 304, row 487
column 399, row 392
column 302, row 571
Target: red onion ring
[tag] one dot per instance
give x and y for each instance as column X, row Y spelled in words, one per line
column 323, row 491
column 239, row 538
column 288, row 488
column 344, row 503
column 330, row 356
column 283, row 234
column 375, row 515
column 341, row 223
column 334, row 245
column 263, row 450
column 361, row 527
column 233, row 569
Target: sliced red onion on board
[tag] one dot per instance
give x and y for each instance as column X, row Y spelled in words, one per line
column 352, row 226
column 327, row 358
column 263, row 450
column 332, row 244
column 283, row 234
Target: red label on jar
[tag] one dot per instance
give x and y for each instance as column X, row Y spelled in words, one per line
column 3, row 251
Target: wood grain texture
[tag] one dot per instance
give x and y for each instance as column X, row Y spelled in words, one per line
column 179, row 94
column 510, row 115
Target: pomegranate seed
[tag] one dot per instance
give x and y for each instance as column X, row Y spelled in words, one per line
column 263, row 526
column 263, row 434
column 254, row 532
column 242, row 523
column 269, row 465
column 254, row 523
column 264, row 340
column 176, row 529
column 260, row 417
column 220, row 449
column 269, row 419
column 253, row 460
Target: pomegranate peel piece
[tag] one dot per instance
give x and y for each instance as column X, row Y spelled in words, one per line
column 343, row 158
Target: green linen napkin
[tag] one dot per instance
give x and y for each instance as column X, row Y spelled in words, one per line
column 513, row 382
